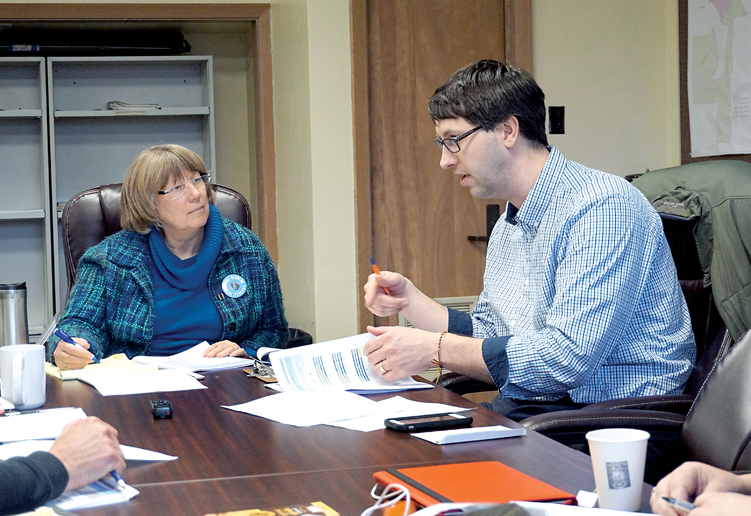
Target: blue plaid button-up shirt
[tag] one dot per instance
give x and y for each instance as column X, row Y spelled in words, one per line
column 581, row 295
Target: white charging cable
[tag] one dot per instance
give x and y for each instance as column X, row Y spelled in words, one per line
column 390, row 495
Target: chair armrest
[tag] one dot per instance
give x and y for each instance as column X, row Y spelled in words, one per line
column 570, row 426
column 676, row 403
column 460, row 384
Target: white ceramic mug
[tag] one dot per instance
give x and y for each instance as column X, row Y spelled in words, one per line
column 618, row 456
column 22, row 380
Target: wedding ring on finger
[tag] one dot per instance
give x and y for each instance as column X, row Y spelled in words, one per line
column 380, row 366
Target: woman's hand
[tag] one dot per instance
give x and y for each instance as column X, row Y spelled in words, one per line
column 225, row 348
column 68, row 356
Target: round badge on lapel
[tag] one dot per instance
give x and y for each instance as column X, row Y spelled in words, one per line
column 234, row 286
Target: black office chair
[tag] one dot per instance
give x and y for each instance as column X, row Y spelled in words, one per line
column 716, row 430
column 94, row 214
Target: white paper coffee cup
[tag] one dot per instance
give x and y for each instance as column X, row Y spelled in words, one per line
column 618, row 456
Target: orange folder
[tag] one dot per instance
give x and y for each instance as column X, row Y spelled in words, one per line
column 490, row 482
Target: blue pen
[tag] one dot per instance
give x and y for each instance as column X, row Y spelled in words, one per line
column 64, row 336
column 675, row 502
column 118, row 479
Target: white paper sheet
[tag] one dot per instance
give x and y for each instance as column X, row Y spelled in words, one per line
column 554, row 509
column 395, row 406
column 533, row 508
column 465, row 435
column 334, row 365
column 307, row 408
column 141, row 382
column 26, row 448
column 42, row 424
column 193, row 360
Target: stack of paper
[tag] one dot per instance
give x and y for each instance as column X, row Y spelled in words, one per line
column 115, row 364
column 117, row 105
column 193, row 360
column 39, row 424
column 140, row 382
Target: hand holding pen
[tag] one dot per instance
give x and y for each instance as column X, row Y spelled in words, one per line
column 377, row 271
column 67, row 338
column 393, row 285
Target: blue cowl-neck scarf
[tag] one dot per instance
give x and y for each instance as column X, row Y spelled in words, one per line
column 193, row 272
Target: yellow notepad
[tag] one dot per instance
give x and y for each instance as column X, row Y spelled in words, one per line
column 114, row 364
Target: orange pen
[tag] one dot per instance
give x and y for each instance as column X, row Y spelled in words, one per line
column 378, row 271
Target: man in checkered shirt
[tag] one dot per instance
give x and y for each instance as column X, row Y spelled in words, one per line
column 581, row 302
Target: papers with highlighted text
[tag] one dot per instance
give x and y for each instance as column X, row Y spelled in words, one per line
column 334, row 365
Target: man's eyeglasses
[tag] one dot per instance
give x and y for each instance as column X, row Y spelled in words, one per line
column 178, row 191
column 452, row 144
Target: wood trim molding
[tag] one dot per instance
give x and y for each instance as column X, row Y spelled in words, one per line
column 361, row 129
column 518, row 23
column 265, row 153
column 133, row 12
column 257, row 14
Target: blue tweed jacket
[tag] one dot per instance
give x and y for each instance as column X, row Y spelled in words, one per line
column 112, row 302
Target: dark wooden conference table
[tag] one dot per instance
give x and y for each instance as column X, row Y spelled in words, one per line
column 232, row 461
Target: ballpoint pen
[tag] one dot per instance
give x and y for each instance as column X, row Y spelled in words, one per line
column 118, row 479
column 378, row 271
column 67, row 338
column 679, row 503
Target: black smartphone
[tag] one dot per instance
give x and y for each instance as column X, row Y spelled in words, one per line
column 428, row 422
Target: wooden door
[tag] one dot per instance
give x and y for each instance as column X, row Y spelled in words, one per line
column 413, row 217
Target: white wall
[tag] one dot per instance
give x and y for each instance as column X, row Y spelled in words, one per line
column 613, row 64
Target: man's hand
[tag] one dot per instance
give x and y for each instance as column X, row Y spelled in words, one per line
column 694, row 480
column 68, row 356
column 380, row 303
column 89, row 450
column 396, row 352
column 225, row 348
